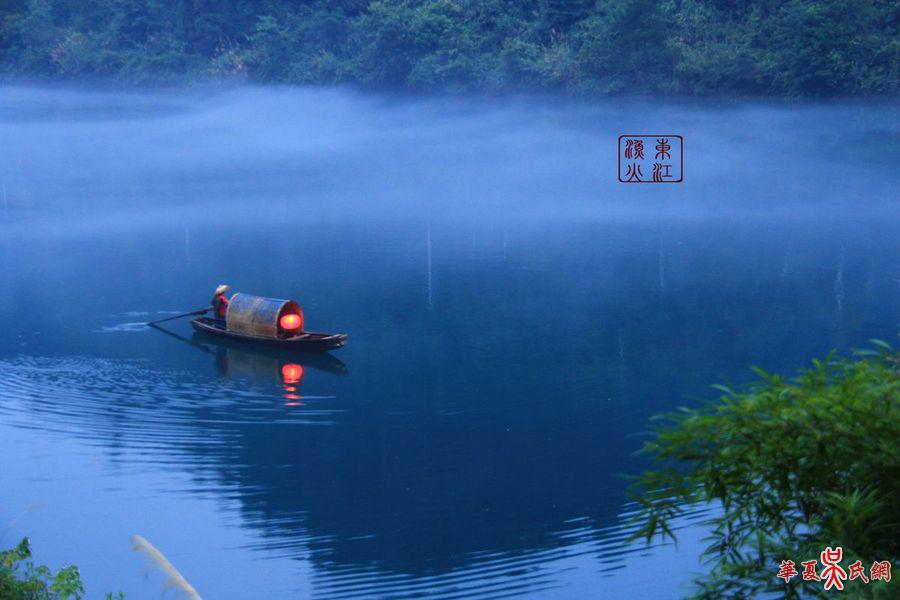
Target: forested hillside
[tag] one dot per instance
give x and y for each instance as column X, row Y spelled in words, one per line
column 798, row 48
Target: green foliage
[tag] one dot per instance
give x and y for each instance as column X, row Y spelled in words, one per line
column 627, row 47
column 823, row 48
column 793, row 466
column 765, row 47
column 20, row 579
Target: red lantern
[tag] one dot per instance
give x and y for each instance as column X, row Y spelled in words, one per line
column 292, row 373
column 291, row 321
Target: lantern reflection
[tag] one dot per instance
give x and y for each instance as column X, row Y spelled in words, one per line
column 265, row 368
column 292, row 373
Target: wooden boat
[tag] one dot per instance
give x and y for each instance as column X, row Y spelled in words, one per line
column 268, row 322
column 305, row 341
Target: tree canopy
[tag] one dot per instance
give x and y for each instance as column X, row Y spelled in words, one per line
column 793, row 466
column 798, row 48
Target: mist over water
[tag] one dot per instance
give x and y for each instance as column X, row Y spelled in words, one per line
column 515, row 318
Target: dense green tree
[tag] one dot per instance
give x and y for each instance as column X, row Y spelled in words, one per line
column 827, row 47
column 558, row 16
column 627, row 47
column 764, row 47
column 792, row 466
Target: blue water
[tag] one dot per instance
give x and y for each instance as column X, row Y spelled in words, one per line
column 515, row 319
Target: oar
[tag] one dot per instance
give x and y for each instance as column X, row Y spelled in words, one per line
column 182, row 315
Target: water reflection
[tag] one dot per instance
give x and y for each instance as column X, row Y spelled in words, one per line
column 515, row 323
column 469, row 446
column 259, row 366
column 373, row 498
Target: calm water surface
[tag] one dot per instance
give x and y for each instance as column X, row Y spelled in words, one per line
column 515, row 318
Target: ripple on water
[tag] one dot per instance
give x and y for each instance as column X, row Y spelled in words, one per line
column 164, row 417
column 132, row 326
column 98, row 400
column 605, row 551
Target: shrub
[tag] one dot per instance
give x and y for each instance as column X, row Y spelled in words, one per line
column 20, row 579
column 794, row 465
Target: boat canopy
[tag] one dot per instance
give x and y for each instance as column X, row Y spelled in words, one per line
column 258, row 316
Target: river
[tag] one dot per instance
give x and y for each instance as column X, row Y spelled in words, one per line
column 515, row 315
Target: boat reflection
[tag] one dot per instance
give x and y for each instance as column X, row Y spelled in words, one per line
column 264, row 359
column 262, row 366
column 265, row 366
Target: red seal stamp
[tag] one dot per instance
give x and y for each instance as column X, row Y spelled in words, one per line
column 651, row 158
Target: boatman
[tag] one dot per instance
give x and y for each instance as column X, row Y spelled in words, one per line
column 220, row 304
